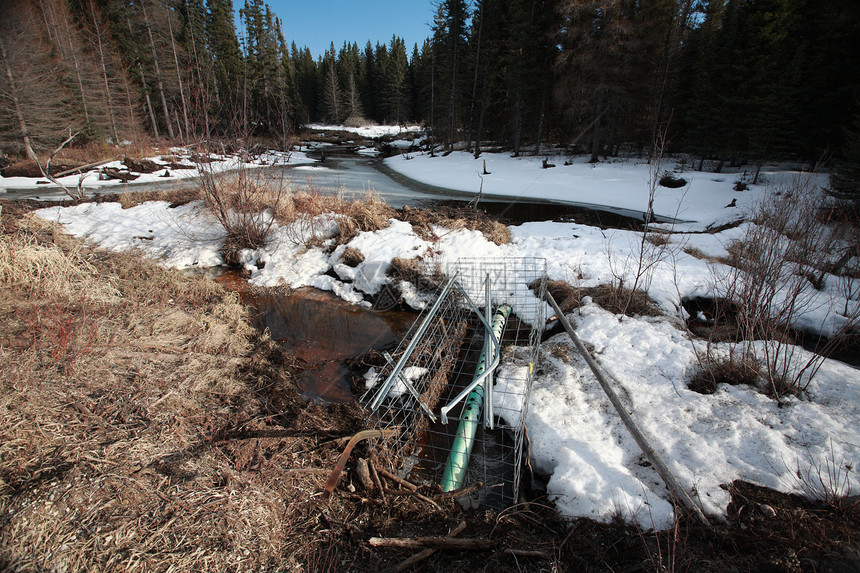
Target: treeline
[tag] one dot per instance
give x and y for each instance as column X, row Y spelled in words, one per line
column 729, row 80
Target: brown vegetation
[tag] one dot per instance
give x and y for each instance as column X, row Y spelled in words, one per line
column 454, row 219
column 613, row 299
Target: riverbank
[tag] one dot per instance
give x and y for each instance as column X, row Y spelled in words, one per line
column 145, row 426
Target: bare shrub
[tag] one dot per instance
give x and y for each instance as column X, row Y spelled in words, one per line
column 770, row 283
column 632, row 274
column 245, row 203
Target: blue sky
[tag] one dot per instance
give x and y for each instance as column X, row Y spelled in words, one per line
column 317, row 23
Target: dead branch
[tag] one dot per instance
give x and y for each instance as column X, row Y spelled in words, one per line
column 408, row 493
column 421, row 556
column 473, row 544
column 396, row 479
column 82, row 167
column 363, row 472
column 46, row 171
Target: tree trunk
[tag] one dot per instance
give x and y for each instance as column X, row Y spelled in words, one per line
column 97, row 28
column 159, row 81
column 475, row 83
column 22, row 124
column 178, row 77
column 151, row 114
column 77, row 73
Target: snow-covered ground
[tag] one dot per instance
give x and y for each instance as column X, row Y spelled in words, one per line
column 622, row 184
column 576, row 437
column 369, row 131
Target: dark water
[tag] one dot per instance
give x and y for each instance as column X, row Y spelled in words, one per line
column 323, row 332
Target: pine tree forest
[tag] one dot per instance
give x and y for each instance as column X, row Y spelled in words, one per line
column 724, row 80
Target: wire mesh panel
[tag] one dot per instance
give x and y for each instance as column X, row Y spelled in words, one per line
column 457, row 387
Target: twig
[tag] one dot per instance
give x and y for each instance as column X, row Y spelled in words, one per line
column 458, row 492
column 375, row 477
column 406, row 492
column 421, row 556
column 397, row 479
column 474, row 544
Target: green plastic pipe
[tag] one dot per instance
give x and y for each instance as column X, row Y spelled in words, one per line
column 464, row 439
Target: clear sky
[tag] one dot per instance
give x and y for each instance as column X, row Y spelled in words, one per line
column 317, row 23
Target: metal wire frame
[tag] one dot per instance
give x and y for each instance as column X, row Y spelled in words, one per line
column 437, row 360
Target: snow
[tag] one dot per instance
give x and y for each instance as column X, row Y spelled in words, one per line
column 369, row 131
column 595, row 467
column 621, row 184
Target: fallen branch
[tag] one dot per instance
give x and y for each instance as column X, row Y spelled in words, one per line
column 82, row 167
column 475, row 544
column 421, row 556
column 660, row 467
column 397, row 479
column 46, row 171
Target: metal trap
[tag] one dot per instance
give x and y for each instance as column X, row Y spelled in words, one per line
column 457, row 387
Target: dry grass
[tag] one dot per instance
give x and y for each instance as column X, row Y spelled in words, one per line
column 724, row 370
column 117, row 379
column 613, row 299
column 453, row 219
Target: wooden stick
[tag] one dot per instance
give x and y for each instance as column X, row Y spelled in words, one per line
column 422, row 555
column 662, row 469
column 397, row 479
column 474, row 544
column 363, row 471
column 373, row 473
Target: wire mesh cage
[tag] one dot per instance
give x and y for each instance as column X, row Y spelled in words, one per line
column 457, row 387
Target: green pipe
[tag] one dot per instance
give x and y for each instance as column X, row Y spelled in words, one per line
column 464, row 439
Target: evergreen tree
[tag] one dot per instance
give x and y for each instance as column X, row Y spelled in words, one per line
column 333, row 103
column 450, row 43
column 224, row 51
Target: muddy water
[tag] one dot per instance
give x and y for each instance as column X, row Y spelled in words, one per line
column 323, row 332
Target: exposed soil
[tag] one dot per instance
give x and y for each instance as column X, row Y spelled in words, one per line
column 145, row 426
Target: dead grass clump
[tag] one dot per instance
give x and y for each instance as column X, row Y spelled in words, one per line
column 567, row 297
column 453, row 219
column 657, row 239
column 368, row 214
column 724, row 370
column 409, row 270
column 613, row 299
column 46, row 270
column 352, row 257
